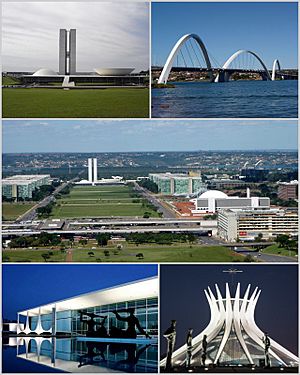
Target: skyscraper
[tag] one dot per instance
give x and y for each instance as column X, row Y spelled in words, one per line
column 92, row 170
column 67, row 51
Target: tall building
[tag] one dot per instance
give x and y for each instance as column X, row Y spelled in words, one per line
column 248, row 224
column 67, row 51
column 22, row 186
column 92, row 170
column 232, row 337
column 288, row 190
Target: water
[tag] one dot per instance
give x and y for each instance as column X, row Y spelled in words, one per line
column 271, row 99
column 32, row 355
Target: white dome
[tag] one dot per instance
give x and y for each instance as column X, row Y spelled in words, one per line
column 213, row 194
column 45, row 72
column 113, row 71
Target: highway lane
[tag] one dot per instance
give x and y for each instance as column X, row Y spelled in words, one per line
column 167, row 213
column 31, row 214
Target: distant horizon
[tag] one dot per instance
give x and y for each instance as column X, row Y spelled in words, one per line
column 149, row 151
column 86, row 136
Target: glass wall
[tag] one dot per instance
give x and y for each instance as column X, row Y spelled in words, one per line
column 146, row 310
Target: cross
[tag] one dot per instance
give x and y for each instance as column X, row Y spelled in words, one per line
column 232, row 271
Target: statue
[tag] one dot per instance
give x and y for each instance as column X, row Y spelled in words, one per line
column 170, row 335
column 189, row 347
column 204, row 349
column 132, row 323
column 91, row 324
column 267, row 343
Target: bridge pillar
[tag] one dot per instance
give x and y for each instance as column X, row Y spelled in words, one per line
column 223, row 76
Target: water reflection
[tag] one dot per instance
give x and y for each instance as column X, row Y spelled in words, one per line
column 82, row 355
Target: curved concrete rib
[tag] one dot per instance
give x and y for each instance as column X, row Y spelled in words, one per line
column 238, row 312
column 163, row 78
column 239, row 52
column 276, row 62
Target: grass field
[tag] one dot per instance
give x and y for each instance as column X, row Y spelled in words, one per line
column 10, row 81
column 275, row 249
column 114, row 102
column 151, row 253
column 11, row 211
column 95, row 201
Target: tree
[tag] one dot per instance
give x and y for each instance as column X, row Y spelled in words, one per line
column 282, row 240
column 259, row 237
column 102, row 239
column 91, row 253
column 140, row 256
column 146, row 215
column 106, row 253
column 46, row 256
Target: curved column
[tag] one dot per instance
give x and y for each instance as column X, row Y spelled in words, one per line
column 259, row 334
column 239, row 52
column 228, row 323
column 276, row 62
column 237, row 323
column 163, row 78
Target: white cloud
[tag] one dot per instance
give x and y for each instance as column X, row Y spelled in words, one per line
column 108, row 34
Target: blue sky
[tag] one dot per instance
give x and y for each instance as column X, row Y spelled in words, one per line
column 26, row 286
column 145, row 135
column 269, row 29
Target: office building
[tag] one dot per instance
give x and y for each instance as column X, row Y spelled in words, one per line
column 67, row 51
column 178, row 183
column 246, row 225
column 288, row 190
column 93, row 176
column 22, row 186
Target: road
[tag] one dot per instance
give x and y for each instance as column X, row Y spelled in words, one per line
column 167, row 213
column 270, row 257
column 31, row 214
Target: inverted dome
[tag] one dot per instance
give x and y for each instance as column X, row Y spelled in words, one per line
column 45, row 72
column 213, row 194
column 113, row 71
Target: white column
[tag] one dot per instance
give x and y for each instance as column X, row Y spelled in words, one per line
column 90, row 169
column 95, row 176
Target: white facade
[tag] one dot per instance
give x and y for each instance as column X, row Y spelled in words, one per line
column 233, row 338
column 213, row 201
column 248, row 224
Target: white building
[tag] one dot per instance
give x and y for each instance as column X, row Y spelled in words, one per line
column 232, row 335
column 246, row 225
column 93, row 176
column 213, row 201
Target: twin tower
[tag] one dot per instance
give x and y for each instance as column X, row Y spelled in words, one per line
column 67, row 52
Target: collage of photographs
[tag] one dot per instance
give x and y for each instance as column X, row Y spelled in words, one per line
column 149, row 186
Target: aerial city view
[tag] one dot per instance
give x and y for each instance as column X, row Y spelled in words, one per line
column 234, row 66
column 222, row 201
column 150, row 187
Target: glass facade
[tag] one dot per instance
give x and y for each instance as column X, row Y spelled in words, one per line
column 146, row 311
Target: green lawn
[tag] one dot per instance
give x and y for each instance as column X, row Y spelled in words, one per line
column 275, row 249
column 95, row 201
column 7, row 80
column 31, row 256
column 114, row 102
column 11, row 211
column 152, row 253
